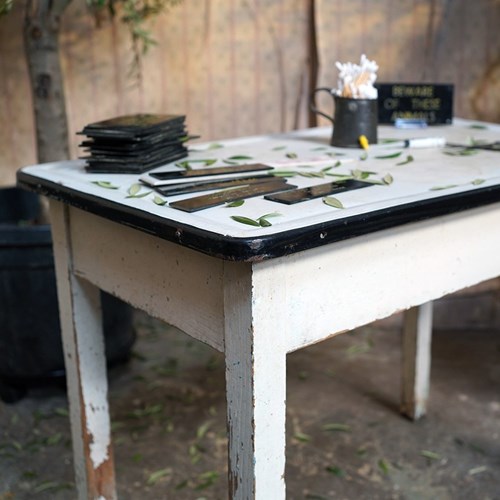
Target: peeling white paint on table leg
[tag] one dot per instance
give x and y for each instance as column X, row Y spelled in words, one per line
column 416, row 360
column 83, row 342
column 255, row 381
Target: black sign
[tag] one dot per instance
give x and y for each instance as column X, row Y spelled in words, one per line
column 415, row 101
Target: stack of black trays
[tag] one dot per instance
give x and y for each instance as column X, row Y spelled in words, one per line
column 134, row 143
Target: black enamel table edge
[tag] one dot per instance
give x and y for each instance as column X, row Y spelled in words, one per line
column 267, row 246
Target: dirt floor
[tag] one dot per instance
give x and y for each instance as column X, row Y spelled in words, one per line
column 345, row 437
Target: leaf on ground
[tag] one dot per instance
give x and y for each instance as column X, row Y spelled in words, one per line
column 337, row 427
column 155, row 476
column 207, row 479
column 61, row 412
column 202, row 429
column 303, row 438
column 384, row 466
column 336, row 471
column 477, row 470
column 430, row 454
column 291, row 155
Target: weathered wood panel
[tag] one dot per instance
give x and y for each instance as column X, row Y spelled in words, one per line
column 239, row 67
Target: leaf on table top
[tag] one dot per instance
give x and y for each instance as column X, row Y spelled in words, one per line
column 332, row 202
column 278, row 148
column 439, row 188
column 236, row 203
column 389, row 156
column 105, row 184
column 409, row 159
column 245, row 220
column 239, row 157
column 476, row 182
column 387, row 179
column 134, row 189
column 291, row 155
column 159, row 201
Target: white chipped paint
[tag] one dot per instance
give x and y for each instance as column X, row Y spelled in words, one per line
column 94, row 387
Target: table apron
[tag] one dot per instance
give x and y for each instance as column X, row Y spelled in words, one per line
column 348, row 284
column 178, row 285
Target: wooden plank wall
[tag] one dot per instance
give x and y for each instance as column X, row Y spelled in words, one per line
column 240, row 67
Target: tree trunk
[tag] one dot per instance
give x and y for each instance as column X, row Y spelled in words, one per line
column 41, row 39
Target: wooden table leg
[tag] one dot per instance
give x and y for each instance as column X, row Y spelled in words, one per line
column 83, row 342
column 416, row 360
column 255, row 385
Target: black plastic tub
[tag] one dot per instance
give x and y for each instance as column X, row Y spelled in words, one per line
column 30, row 339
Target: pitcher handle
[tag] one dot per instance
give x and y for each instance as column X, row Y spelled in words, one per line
column 312, row 103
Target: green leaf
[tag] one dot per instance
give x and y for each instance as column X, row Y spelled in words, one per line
column 134, row 189
column 105, row 184
column 303, row 438
column 140, row 195
column 202, row 429
column 384, row 466
column 461, row 152
column 363, row 157
column 240, row 157
column 439, row 188
column 61, row 412
column 334, row 153
column 272, row 214
column 215, row 145
column 337, row 427
column 291, row 155
column 154, row 477
column 319, row 148
column 284, row 173
column 278, row 148
column 183, row 164
column 245, row 220
column 389, row 156
column 332, row 202
column 236, row 203
column 430, row 454
column 409, row 159
column 388, row 179
column 230, row 162
column 207, row 479
column 264, row 222
column 476, row 182
column 361, row 174
column 478, row 126
column 159, row 201
column 336, row 471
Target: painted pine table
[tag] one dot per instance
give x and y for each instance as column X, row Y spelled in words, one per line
column 427, row 227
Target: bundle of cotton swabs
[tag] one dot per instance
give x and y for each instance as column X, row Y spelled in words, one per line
column 356, row 81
